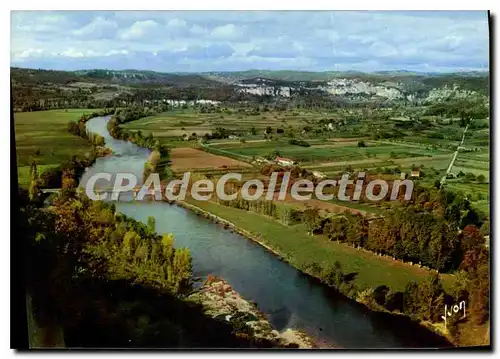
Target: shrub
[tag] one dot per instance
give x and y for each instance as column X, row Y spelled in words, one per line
column 302, row 143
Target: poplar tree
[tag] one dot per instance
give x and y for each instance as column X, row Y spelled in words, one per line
column 33, row 186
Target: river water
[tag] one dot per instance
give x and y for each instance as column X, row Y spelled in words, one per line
column 291, row 299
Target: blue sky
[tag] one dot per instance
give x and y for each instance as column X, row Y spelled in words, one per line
column 172, row 41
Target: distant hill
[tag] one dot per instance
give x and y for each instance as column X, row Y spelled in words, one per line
column 350, row 85
column 474, row 81
column 282, row 75
column 121, row 77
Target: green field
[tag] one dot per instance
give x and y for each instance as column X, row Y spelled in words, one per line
column 299, row 249
column 42, row 136
column 374, row 152
column 334, row 152
column 177, row 122
column 477, row 193
column 477, row 162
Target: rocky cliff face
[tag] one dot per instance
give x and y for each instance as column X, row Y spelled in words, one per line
column 339, row 87
column 351, row 86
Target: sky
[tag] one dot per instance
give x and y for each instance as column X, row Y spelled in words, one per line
column 201, row 41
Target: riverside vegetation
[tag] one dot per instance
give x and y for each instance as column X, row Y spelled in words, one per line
column 89, row 264
column 66, row 173
column 438, row 229
column 419, row 297
column 159, row 157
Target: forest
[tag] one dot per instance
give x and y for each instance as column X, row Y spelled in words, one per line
column 88, row 264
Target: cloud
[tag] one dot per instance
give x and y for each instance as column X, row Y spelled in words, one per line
column 98, row 28
column 237, row 40
column 30, row 53
column 139, row 30
column 208, row 52
column 228, row 31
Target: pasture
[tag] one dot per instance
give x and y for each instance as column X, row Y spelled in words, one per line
column 300, row 249
column 42, row 136
column 339, row 154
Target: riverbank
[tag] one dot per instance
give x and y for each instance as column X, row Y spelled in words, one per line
column 228, row 224
column 222, row 302
column 294, row 261
column 292, row 243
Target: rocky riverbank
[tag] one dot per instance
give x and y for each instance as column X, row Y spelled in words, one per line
column 222, row 302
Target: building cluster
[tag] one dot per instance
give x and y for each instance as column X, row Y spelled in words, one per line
column 180, row 103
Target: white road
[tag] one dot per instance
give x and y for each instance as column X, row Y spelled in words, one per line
column 443, row 179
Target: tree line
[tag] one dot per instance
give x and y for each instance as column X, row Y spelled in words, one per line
column 78, row 128
column 88, row 264
column 159, row 157
column 438, row 230
column 428, row 230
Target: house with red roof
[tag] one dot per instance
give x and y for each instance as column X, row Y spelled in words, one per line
column 284, row 161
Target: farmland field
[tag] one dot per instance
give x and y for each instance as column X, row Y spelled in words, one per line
column 315, row 154
column 42, row 136
column 479, row 164
column 183, row 159
column 177, row 122
column 330, row 152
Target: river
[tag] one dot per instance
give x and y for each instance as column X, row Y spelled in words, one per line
column 290, row 298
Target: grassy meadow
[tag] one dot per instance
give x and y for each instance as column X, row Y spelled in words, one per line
column 293, row 243
column 42, row 136
column 317, row 154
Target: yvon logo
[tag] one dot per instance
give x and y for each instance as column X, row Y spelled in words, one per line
column 453, row 310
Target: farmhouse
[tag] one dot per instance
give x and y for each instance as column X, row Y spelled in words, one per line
column 284, row 161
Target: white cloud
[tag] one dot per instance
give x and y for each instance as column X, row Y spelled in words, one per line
column 28, row 53
column 29, row 22
column 99, row 27
column 71, row 52
column 79, row 53
column 396, row 40
column 139, row 30
column 116, row 52
column 228, row 31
